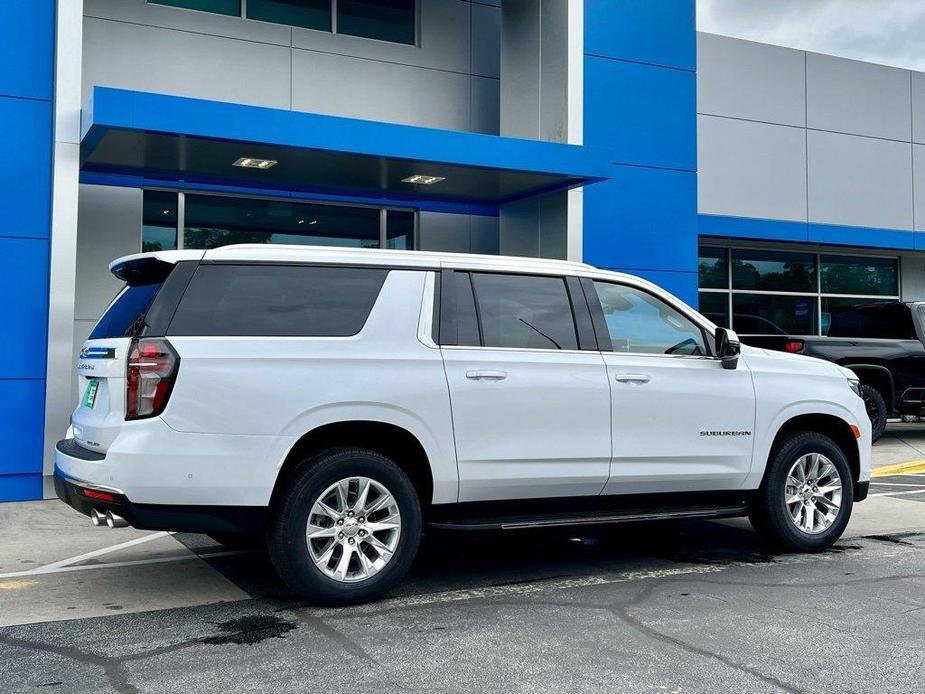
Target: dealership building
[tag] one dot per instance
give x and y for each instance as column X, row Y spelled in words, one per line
column 766, row 185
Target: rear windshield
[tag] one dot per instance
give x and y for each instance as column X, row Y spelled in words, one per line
column 891, row 321
column 277, row 300
column 126, row 314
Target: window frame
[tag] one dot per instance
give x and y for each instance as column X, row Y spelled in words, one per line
column 603, row 332
column 445, row 323
column 333, row 30
column 817, row 295
column 181, row 213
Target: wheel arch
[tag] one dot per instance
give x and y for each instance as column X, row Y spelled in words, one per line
column 391, row 440
column 829, row 425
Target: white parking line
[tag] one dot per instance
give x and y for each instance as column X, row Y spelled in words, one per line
column 916, row 491
column 117, row 564
column 895, row 484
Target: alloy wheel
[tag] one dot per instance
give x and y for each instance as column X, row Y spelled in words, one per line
column 353, row 529
column 813, row 493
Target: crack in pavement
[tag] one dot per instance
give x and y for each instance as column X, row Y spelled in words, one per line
column 621, row 612
column 112, row 667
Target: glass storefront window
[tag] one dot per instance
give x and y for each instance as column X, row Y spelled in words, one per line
column 389, row 20
column 159, row 221
column 229, row 7
column 209, row 221
column 763, row 314
column 847, row 317
column 399, row 232
column 842, row 274
column 310, row 14
column 773, row 270
column 715, row 306
column 213, row 221
column 713, row 268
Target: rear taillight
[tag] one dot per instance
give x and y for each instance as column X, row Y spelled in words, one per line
column 150, row 375
column 793, row 346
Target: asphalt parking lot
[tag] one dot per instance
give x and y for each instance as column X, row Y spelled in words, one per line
column 692, row 607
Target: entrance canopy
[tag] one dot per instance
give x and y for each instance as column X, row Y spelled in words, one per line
column 168, row 138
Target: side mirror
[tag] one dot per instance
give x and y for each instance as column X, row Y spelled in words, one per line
column 727, row 348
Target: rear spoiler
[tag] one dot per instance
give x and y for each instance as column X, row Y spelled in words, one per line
column 149, row 268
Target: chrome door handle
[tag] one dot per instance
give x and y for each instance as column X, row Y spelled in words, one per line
column 632, row 378
column 486, row 375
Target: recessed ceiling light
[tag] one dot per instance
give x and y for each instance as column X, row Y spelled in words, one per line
column 422, row 180
column 251, row 163
column 166, row 211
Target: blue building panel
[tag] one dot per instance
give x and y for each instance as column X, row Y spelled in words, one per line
column 22, row 402
column 644, row 114
column 660, row 32
column 25, row 177
column 24, row 322
column 27, row 34
column 642, row 221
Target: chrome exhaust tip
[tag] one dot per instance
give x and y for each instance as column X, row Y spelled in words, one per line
column 115, row 521
column 97, row 518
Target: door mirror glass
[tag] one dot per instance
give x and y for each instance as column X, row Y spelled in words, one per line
column 727, row 347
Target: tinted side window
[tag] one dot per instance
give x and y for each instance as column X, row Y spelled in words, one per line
column 524, row 311
column 852, row 318
column 277, row 300
column 639, row 322
column 125, row 315
column 466, row 318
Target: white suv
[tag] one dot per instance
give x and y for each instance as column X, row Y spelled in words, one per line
column 336, row 402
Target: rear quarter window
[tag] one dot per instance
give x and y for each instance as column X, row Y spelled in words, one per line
column 126, row 314
column 277, row 301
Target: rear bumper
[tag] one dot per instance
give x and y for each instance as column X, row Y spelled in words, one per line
column 83, row 496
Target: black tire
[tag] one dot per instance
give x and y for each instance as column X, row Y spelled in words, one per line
column 238, row 540
column 769, row 515
column 287, row 544
column 876, row 410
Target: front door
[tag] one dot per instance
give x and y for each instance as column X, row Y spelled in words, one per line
column 531, row 411
column 681, row 422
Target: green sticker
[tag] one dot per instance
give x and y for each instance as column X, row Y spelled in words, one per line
column 90, row 395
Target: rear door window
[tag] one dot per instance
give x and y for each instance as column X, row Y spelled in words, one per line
column 126, row 314
column 277, row 300
column 524, row 311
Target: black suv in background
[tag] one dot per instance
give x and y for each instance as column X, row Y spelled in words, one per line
column 889, row 359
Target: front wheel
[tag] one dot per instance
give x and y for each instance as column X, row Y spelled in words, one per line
column 805, row 501
column 347, row 527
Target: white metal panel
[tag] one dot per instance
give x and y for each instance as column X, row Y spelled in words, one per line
column 918, row 107
column 849, row 96
column 108, row 226
column 859, row 181
column 486, row 40
column 442, row 231
column 485, row 107
column 754, row 81
column 751, row 169
column 118, row 54
column 344, row 86
column 918, row 179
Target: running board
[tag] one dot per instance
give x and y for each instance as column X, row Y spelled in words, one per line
column 589, row 518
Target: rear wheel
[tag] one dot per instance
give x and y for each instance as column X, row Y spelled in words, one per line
column 876, row 410
column 805, row 501
column 347, row 527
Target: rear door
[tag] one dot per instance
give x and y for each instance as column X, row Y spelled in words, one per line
column 531, row 408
